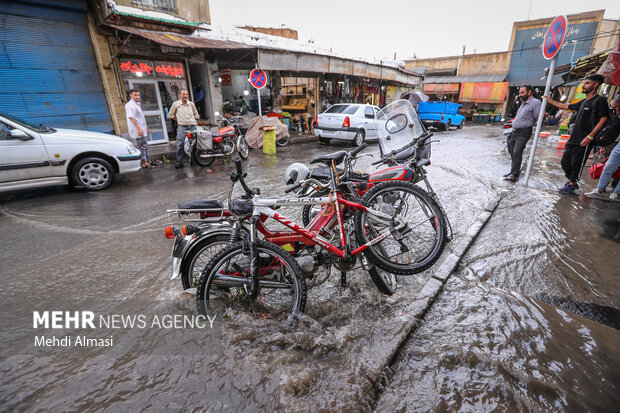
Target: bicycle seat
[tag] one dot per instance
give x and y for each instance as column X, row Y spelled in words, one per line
column 322, row 172
column 201, row 204
column 327, row 159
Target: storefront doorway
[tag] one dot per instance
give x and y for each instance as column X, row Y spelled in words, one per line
column 150, row 100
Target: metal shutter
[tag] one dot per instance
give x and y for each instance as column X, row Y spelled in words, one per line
column 48, row 71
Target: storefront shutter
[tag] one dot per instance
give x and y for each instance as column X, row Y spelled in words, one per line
column 48, row 71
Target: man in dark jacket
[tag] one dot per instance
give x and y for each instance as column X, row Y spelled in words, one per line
column 591, row 115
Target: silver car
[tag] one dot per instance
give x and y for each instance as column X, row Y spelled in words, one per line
column 355, row 122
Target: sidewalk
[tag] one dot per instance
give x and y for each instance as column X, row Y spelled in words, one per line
column 157, row 152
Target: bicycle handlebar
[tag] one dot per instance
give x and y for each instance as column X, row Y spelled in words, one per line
column 292, row 188
column 357, row 150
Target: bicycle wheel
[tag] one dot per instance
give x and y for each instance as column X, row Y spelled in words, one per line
column 199, row 256
column 386, row 282
column 224, row 284
column 417, row 228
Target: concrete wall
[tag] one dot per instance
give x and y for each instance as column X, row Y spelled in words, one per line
column 606, row 41
column 114, row 93
column 287, row 33
column 190, row 10
column 448, row 62
column 483, row 64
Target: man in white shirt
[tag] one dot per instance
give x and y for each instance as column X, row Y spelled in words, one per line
column 185, row 114
column 136, row 123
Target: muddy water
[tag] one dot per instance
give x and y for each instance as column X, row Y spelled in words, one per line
column 109, row 246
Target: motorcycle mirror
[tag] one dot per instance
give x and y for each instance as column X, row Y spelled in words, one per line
column 217, row 113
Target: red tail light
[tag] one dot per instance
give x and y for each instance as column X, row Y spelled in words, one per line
column 316, row 120
column 507, row 126
column 346, row 123
column 169, row 232
column 188, row 134
column 442, row 116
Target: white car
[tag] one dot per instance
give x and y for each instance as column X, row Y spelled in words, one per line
column 34, row 156
column 353, row 122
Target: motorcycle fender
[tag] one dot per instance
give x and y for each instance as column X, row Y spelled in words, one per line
column 396, row 173
column 184, row 245
column 176, row 268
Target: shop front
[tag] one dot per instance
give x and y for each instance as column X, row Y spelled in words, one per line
column 442, row 91
column 159, row 84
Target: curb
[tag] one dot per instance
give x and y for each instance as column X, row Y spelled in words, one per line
column 426, row 296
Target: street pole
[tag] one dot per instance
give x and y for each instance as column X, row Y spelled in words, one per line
column 541, row 115
column 260, row 113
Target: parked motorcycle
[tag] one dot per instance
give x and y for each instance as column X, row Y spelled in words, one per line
column 213, row 227
column 203, row 146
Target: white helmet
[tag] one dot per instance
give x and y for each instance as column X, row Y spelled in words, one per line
column 295, row 173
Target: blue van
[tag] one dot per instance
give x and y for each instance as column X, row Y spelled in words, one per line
column 441, row 115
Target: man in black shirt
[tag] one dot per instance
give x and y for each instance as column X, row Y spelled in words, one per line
column 591, row 115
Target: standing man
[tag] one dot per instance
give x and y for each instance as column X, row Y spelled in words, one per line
column 591, row 115
column 185, row 114
column 136, row 123
column 526, row 118
column 613, row 163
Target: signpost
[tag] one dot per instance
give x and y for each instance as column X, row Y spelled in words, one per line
column 258, row 79
column 556, row 32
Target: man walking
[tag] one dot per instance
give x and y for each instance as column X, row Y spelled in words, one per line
column 136, row 124
column 591, row 115
column 527, row 115
column 185, row 114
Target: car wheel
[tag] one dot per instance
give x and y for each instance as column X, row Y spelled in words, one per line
column 358, row 139
column 448, row 124
column 323, row 140
column 461, row 125
column 93, row 174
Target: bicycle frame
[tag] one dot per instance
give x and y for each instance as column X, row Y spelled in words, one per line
column 262, row 210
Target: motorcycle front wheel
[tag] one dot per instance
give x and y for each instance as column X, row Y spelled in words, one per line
column 283, row 141
column 243, row 148
column 200, row 161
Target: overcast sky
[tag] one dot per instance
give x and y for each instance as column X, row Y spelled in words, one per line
column 381, row 28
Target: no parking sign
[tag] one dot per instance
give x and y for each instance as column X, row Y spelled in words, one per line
column 555, row 37
column 258, row 78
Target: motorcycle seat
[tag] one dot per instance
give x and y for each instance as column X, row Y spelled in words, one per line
column 201, row 204
column 327, row 159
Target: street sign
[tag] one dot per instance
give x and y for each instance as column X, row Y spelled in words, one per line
column 258, row 78
column 555, row 37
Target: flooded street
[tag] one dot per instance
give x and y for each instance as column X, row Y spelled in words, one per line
column 528, row 322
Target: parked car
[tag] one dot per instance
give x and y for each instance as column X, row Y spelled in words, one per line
column 353, row 122
column 36, row 155
column 441, row 115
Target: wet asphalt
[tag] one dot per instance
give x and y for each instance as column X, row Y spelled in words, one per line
column 528, row 322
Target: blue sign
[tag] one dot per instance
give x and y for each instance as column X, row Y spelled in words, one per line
column 258, row 78
column 554, row 37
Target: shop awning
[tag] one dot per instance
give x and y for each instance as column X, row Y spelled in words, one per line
column 178, row 40
column 483, row 92
column 441, row 88
column 500, row 77
column 585, row 64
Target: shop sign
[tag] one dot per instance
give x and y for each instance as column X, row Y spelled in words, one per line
column 226, row 77
column 169, row 69
column 136, row 68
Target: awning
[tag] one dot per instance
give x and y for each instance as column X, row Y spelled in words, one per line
column 441, row 88
column 178, row 40
column 586, row 64
column 484, row 92
column 500, row 77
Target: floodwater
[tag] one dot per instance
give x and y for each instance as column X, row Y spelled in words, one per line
column 525, row 324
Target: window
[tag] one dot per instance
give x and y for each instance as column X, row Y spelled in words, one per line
column 369, row 112
column 163, row 5
column 5, row 132
column 336, row 109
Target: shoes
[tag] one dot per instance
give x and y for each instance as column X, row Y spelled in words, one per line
column 567, row 189
column 505, row 175
column 178, row 166
column 594, row 192
column 511, row 178
column 613, row 195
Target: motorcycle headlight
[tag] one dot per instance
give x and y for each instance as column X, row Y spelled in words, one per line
column 132, row 150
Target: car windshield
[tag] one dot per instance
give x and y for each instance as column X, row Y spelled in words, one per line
column 399, row 126
column 344, row 109
column 41, row 128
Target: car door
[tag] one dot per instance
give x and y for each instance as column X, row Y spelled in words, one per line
column 22, row 158
column 370, row 122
